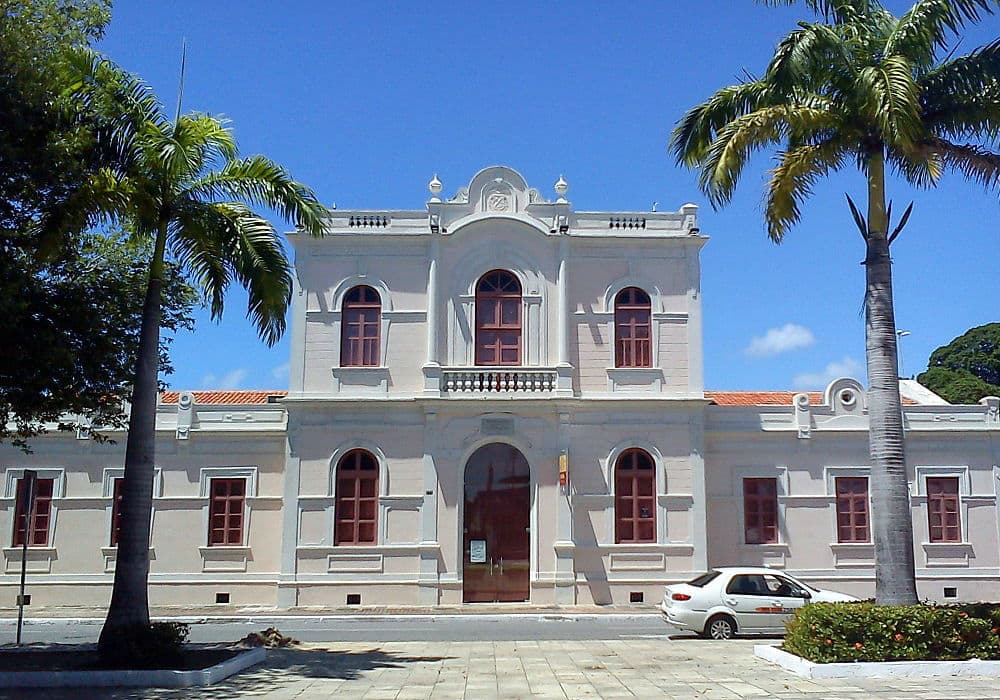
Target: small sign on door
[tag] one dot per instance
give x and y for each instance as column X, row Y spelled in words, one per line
column 477, row 551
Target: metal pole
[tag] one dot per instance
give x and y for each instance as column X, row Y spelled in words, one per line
column 27, row 506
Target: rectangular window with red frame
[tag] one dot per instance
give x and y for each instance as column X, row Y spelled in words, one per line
column 38, row 528
column 944, row 520
column 852, row 509
column 227, row 498
column 760, row 510
column 116, row 510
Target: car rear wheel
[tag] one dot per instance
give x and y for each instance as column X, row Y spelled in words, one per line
column 720, row 627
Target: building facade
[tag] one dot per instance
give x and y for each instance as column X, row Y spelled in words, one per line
column 500, row 399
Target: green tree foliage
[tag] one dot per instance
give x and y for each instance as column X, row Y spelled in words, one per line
column 70, row 329
column 968, row 368
column 48, row 143
column 70, row 302
column 861, row 88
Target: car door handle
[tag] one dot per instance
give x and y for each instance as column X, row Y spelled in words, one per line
column 729, row 601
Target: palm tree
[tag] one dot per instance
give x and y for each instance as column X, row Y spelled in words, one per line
column 182, row 186
column 861, row 87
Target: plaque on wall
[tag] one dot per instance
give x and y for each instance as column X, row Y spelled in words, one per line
column 477, row 552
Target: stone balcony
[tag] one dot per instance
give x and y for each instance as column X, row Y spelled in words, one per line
column 527, row 382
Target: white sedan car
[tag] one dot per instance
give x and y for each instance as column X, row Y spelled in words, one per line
column 748, row 600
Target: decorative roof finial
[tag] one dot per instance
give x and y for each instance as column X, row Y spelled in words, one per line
column 435, row 188
column 561, row 187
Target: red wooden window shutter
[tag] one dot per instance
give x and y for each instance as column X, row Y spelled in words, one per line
column 356, row 508
column 360, row 328
column 38, row 528
column 498, row 319
column 760, row 510
column 225, row 516
column 852, row 509
column 633, row 314
column 943, row 517
column 635, row 497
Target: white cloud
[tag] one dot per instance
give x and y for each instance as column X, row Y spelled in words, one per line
column 848, row 367
column 281, row 372
column 789, row 337
column 227, row 382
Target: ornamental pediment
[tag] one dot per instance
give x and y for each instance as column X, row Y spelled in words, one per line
column 496, row 192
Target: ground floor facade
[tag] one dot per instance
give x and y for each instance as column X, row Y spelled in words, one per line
column 284, row 502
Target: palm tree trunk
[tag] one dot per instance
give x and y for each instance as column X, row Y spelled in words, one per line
column 892, row 522
column 129, row 609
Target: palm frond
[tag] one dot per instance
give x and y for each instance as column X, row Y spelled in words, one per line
column 222, row 242
column 811, row 50
column 832, row 10
column 98, row 85
column 961, row 97
column 695, row 132
column 793, row 179
column 925, row 27
column 972, row 161
column 262, row 182
column 890, row 99
column 721, row 167
column 916, row 165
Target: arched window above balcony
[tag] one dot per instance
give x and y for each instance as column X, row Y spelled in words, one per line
column 360, row 329
column 498, row 319
column 633, row 314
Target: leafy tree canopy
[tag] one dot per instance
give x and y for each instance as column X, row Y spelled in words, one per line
column 48, row 143
column 70, row 330
column 968, row 368
column 69, row 314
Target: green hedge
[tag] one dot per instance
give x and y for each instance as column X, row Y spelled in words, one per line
column 831, row 632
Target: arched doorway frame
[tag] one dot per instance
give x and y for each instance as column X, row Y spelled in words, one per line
column 524, row 448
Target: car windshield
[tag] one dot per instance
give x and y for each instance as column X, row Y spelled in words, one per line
column 705, row 578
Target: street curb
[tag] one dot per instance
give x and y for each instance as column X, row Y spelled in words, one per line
column 869, row 669
column 154, row 678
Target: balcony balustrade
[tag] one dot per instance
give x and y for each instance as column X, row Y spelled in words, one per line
column 498, row 380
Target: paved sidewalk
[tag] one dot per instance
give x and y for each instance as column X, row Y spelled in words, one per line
column 682, row 668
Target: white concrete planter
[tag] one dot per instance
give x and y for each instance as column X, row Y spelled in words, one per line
column 153, row 678
column 866, row 669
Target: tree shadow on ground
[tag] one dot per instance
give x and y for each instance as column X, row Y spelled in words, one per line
column 282, row 668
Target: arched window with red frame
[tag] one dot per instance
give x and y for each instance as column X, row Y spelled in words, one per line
column 356, row 509
column 360, row 328
column 498, row 319
column 633, row 314
column 635, row 497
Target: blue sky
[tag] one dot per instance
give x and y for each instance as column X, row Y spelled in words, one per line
column 364, row 101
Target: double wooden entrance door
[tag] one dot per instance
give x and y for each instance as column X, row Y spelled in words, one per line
column 497, row 526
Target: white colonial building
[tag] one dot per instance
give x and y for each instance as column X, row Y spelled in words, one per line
column 500, row 398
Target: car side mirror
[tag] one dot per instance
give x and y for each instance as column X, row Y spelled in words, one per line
column 805, row 594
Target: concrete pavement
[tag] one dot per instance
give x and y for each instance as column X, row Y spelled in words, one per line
column 683, row 668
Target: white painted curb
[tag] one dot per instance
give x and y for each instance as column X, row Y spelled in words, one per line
column 276, row 620
column 867, row 669
column 133, row 679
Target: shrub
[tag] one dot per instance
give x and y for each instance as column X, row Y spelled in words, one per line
column 832, row 632
column 158, row 645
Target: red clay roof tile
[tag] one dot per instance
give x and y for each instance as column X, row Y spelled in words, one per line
column 244, row 397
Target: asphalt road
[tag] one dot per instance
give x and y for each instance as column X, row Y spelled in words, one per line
column 377, row 628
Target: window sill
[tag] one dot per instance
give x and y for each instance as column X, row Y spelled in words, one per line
column 38, row 561
column 853, row 555
column 224, row 558
column 947, row 554
column 635, row 379
column 110, row 555
column 361, row 380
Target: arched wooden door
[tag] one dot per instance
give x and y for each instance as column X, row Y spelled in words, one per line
column 497, row 526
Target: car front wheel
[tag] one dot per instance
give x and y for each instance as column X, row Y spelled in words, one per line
column 720, row 627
